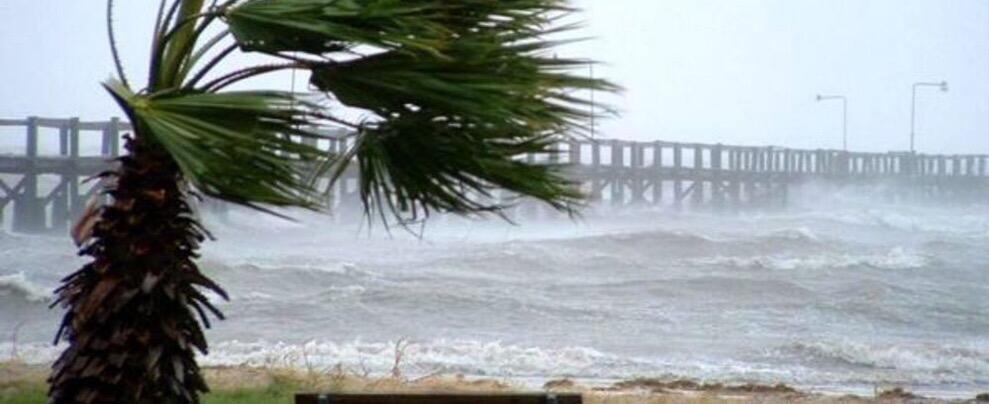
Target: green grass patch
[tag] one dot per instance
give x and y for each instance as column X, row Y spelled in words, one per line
column 269, row 395
column 223, row 397
column 25, row 384
column 24, row 397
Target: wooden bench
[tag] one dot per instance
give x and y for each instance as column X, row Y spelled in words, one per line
column 541, row 398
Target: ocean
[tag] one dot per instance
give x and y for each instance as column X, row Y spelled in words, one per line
column 833, row 296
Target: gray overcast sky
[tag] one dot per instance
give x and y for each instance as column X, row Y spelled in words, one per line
column 729, row 71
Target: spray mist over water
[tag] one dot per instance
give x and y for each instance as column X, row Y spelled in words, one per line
column 834, row 292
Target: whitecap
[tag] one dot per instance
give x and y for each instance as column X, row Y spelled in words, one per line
column 18, row 285
column 896, row 258
column 936, row 361
column 452, row 356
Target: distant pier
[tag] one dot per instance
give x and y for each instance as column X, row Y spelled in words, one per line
column 42, row 191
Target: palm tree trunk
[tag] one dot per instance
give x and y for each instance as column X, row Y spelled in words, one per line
column 130, row 320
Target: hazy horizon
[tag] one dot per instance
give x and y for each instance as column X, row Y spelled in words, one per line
column 706, row 71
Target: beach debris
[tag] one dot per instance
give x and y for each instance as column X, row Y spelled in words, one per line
column 897, row 393
column 668, row 386
column 559, row 384
column 400, row 348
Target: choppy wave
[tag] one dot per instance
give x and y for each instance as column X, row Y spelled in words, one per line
column 907, row 362
column 447, row 356
column 343, row 269
column 19, row 286
column 972, row 222
column 31, row 353
column 896, row 258
column 835, row 297
column 678, row 237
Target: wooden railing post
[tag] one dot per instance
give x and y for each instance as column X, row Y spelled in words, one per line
column 596, row 154
column 63, row 140
column 111, row 138
column 575, row 150
column 555, row 150
column 75, row 198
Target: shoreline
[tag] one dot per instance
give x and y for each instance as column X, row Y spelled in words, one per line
column 22, row 382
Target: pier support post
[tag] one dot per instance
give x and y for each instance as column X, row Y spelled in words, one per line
column 574, row 153
column 717, row 182
column 617, row 173
column 29, row 212
column 638, row 180
column 75, row 197
column 697, row 198
column 677, row 170
column 657, row 173
column 597, row 184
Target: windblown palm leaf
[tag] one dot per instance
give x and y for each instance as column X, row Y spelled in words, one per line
column 322, row 26
column 418, row 163
column 484, row 79
column 242, row 147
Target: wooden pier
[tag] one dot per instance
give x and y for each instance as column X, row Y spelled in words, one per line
column 42, row 190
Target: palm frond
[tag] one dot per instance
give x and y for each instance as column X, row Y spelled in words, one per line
column 420, row 163
column 326, row 26
column 482, row 78
column 323, row 26
column 241, row 147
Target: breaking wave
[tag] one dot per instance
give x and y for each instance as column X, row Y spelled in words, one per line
column 439, row 356
column 896, row 258
column 918, row 363
column 19, row 286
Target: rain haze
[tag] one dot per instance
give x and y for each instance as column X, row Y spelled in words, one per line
column 727, row 237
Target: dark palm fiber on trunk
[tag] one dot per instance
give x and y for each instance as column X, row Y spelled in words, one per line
column 131, row 313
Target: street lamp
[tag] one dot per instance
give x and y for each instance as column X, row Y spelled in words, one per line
column 593, row 104
column 844, row 114
column 913, row 107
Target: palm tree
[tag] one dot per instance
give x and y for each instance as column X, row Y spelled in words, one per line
column 454, row 92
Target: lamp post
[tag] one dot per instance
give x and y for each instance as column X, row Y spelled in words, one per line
column 913, row 107
column 844, row 116
column 593, row 104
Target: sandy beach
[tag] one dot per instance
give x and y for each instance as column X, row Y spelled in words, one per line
column 25, row 384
